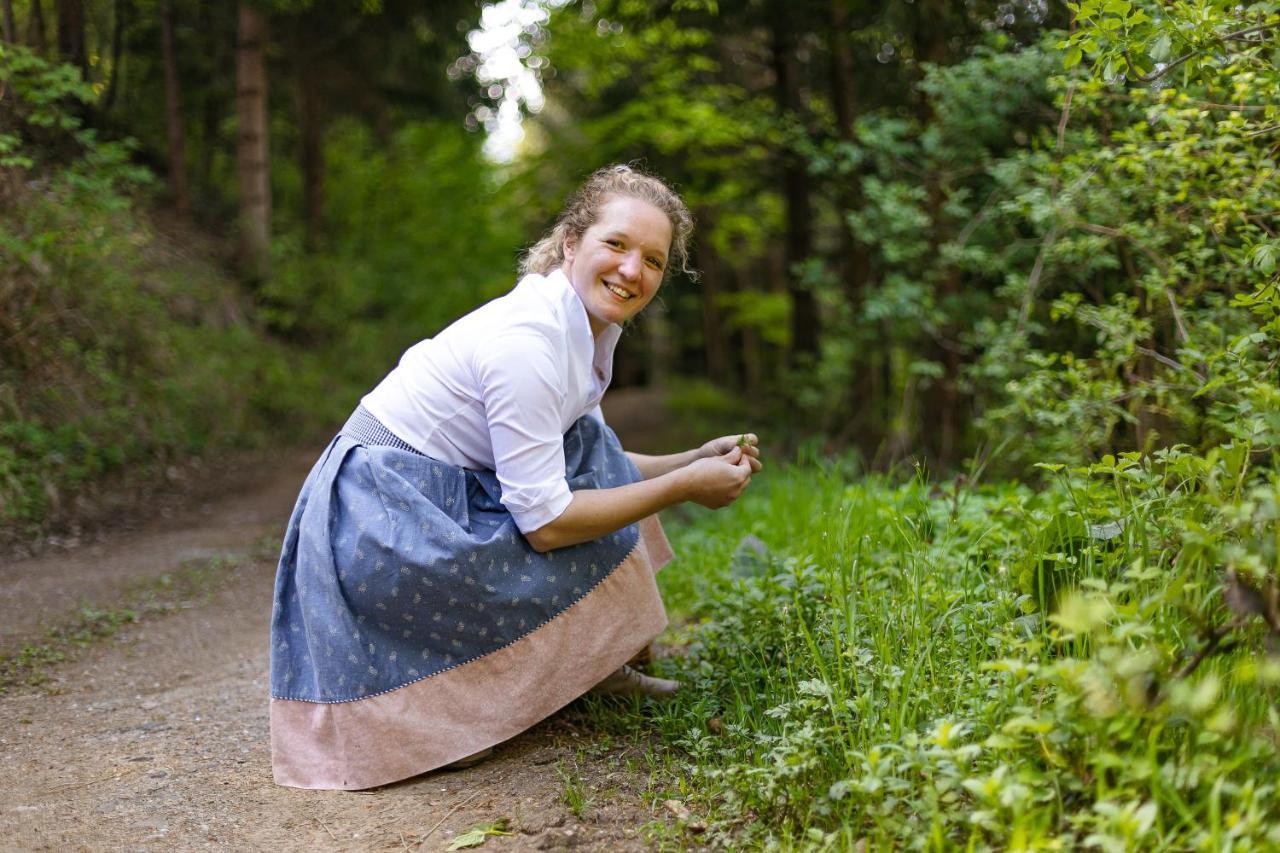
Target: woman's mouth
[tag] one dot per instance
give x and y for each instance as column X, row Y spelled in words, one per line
column 618, row 291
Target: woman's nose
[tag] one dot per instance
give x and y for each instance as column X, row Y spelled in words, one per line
column 630, row 265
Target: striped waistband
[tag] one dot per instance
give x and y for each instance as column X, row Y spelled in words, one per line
column 363, row 427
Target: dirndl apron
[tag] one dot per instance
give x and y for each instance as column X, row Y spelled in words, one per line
column 413, row 625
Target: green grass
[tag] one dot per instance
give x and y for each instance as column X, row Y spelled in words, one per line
column 576, row 794
column 931, row 667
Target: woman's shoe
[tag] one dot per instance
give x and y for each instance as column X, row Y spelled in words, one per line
column 625, row 681
column 470, row 761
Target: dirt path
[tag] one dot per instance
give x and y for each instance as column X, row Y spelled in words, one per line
column 40, row 591
column 157, row 737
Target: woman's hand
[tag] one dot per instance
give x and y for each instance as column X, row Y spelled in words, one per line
column 747, row 442
column 656, row 466
column 717, row 481
column 714, row 480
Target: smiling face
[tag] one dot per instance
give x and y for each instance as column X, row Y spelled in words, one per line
column 617, row 265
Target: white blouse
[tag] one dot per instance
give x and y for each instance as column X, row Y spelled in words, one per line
column 498, row 389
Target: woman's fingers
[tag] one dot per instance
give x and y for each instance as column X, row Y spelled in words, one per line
column 748, row 441
column 717, row 482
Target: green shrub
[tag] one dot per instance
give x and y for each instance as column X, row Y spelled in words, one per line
column 118, row 345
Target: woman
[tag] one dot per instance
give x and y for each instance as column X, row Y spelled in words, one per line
column 474, row 549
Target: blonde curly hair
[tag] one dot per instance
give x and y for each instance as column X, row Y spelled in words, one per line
column 583, row 209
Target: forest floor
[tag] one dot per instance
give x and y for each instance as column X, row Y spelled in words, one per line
column 134, row 708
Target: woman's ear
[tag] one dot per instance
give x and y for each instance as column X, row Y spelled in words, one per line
column 569, row 248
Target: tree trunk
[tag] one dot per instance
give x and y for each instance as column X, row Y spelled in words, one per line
column 121, row 18
column 940, row 415
column 173, row 112
column 752, row 351
column 854, row 264
column 842, row 84
column 657, row 326
column 211, row 25
column 795, row 179
column 942, row 409
column 311, row 142
column 252, row 163
column 71, row 50
column 713, row 336
column 36, row 38
column 10, row 31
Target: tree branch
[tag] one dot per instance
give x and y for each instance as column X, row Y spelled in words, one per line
column 1107, row 231
column 1156, row 259
column 1169, row 362
column 1154, row 75
column 1066, row 113
column 1238, row 35
column 1213, row 645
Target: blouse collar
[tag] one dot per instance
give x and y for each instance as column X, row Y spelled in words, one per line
column 579, row 322
column 598, row 352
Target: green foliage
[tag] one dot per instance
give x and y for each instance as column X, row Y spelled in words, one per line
column 883, row 672
column 1146, row 41
column 40, row 89
column 651, row 85
column 418, row 235
column 1093, row 270
column 117, row 348
column 921, row 193
column 1147, row 269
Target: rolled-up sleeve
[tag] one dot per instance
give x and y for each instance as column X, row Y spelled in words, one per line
column 521, row 380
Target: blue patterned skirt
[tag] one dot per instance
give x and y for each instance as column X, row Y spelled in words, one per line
column 413, row 624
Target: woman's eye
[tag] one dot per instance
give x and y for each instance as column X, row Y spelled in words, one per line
column 655, row 263
column 617, row 244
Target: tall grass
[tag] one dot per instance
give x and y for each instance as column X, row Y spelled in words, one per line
column 930, row 667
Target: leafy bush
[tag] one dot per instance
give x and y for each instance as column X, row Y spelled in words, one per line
column 117, row 347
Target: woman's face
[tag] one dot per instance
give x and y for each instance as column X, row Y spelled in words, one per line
column 616, row 266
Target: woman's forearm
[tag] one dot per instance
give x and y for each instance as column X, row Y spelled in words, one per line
column 656, row 466
column 597, row 512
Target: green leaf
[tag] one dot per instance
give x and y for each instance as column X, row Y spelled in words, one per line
column 470, row 838
column 1081, row 614
column 1263, row 258
column 476, row 836
column 1159, row 50
column 1074, row 55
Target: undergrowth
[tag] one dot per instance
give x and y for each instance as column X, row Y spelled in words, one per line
column 1000, row 667
column 119, row 346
